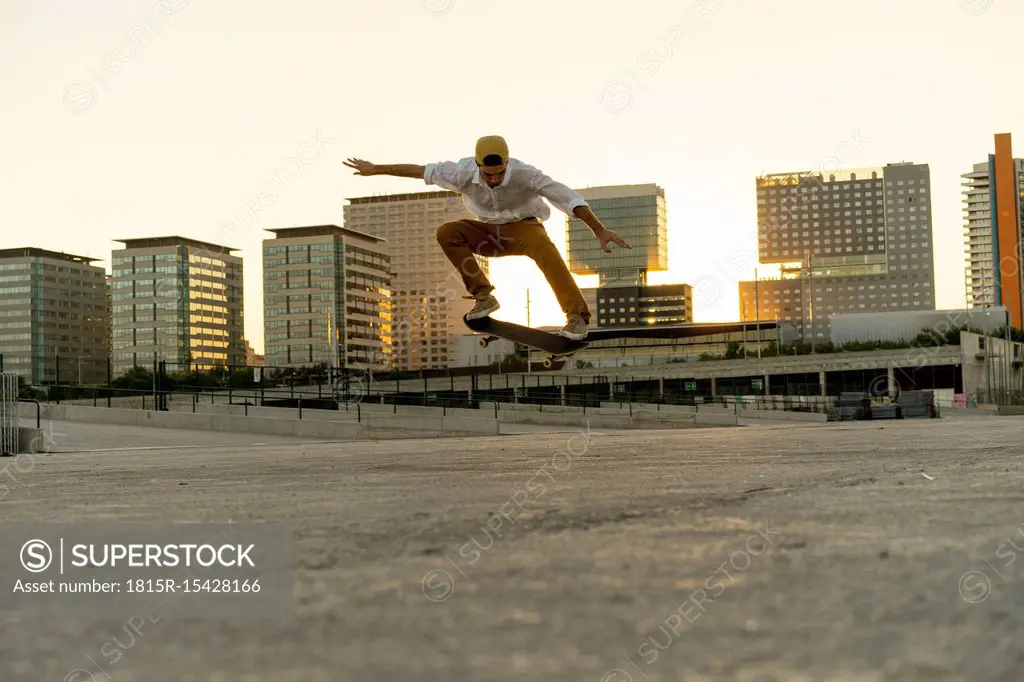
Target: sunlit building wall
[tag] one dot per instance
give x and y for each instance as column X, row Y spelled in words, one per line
column 993, row 197
column 427, row 291
column 53, row 317
column 637, row 213
column 849, row 241
column 176, row 300
column 327, row 299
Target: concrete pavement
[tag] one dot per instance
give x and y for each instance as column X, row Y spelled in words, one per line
column 861, row 552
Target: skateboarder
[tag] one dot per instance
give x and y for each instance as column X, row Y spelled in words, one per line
column 507, row 196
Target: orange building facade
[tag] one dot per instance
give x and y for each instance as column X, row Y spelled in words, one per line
column 1006, row 223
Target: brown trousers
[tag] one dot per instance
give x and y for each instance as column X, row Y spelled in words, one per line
column 463, row 240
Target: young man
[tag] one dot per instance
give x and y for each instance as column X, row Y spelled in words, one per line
column 507, row 196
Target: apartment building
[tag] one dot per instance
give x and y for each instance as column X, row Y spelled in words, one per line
column 852, row 241
column 53, row 324
column 176, row 300
column 993, row 197
column 327, row 298
column 634, row 306
column 427, row 291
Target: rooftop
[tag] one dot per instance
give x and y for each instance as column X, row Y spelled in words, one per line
column 620, row 191
column 33, row 252
column 152, row 242
column 321, row 230
column 414, row 196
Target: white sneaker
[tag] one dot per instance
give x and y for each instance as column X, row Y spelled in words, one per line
column 575, row 328
column 483, row 308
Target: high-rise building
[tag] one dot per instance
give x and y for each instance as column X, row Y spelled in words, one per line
column 427, row 291
column 326, row 298
column 663, row 304
column 108, row 280
column 53, row 317
column 994, row 235
column 623, row 298
column 637, row 213
column 176, row 300
column 850, row 241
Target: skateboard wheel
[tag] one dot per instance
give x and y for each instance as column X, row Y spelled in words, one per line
column 483, row 343
column 548, row 363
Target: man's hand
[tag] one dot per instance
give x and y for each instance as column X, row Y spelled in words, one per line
column 603, row 234
column 400, row 170
column 607, row 236
column 362, row 167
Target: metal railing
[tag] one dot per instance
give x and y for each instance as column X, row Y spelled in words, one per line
column 542, row 398
column 9, row 414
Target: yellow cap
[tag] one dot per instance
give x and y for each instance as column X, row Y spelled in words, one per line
column 490, row 146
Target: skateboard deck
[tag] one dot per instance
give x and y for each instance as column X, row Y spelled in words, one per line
column 556, row 346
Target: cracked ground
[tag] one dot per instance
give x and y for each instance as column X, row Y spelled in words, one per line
column 860, row 552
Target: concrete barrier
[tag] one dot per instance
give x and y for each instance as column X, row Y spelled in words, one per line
column 716, row 418
column 30, row 440
column 783, row 416
column 376, row 427
column 407, row 422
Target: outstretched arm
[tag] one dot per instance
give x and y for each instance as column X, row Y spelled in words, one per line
column 603, row 234
column 571, row 203
column 401, row 170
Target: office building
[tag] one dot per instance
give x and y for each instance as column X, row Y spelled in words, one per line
column 994, row 219
column 326, row 299
column 623, row 298
column 427, row 291
column 176, row 300
column 632, row 306
column 590, row 296
column 846, row 242
column 53, row 323
column 109, row 283
column 637, row 213
column 252, row 358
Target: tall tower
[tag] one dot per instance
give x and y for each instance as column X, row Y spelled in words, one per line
column 994, row 220
column 623, row 297
column 637, row 213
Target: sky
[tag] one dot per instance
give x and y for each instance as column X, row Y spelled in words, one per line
column 134, row 118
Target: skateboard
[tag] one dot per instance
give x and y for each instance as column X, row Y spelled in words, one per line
column 554, row 345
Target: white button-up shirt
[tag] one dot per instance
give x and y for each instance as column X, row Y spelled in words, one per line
column 517, row 197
